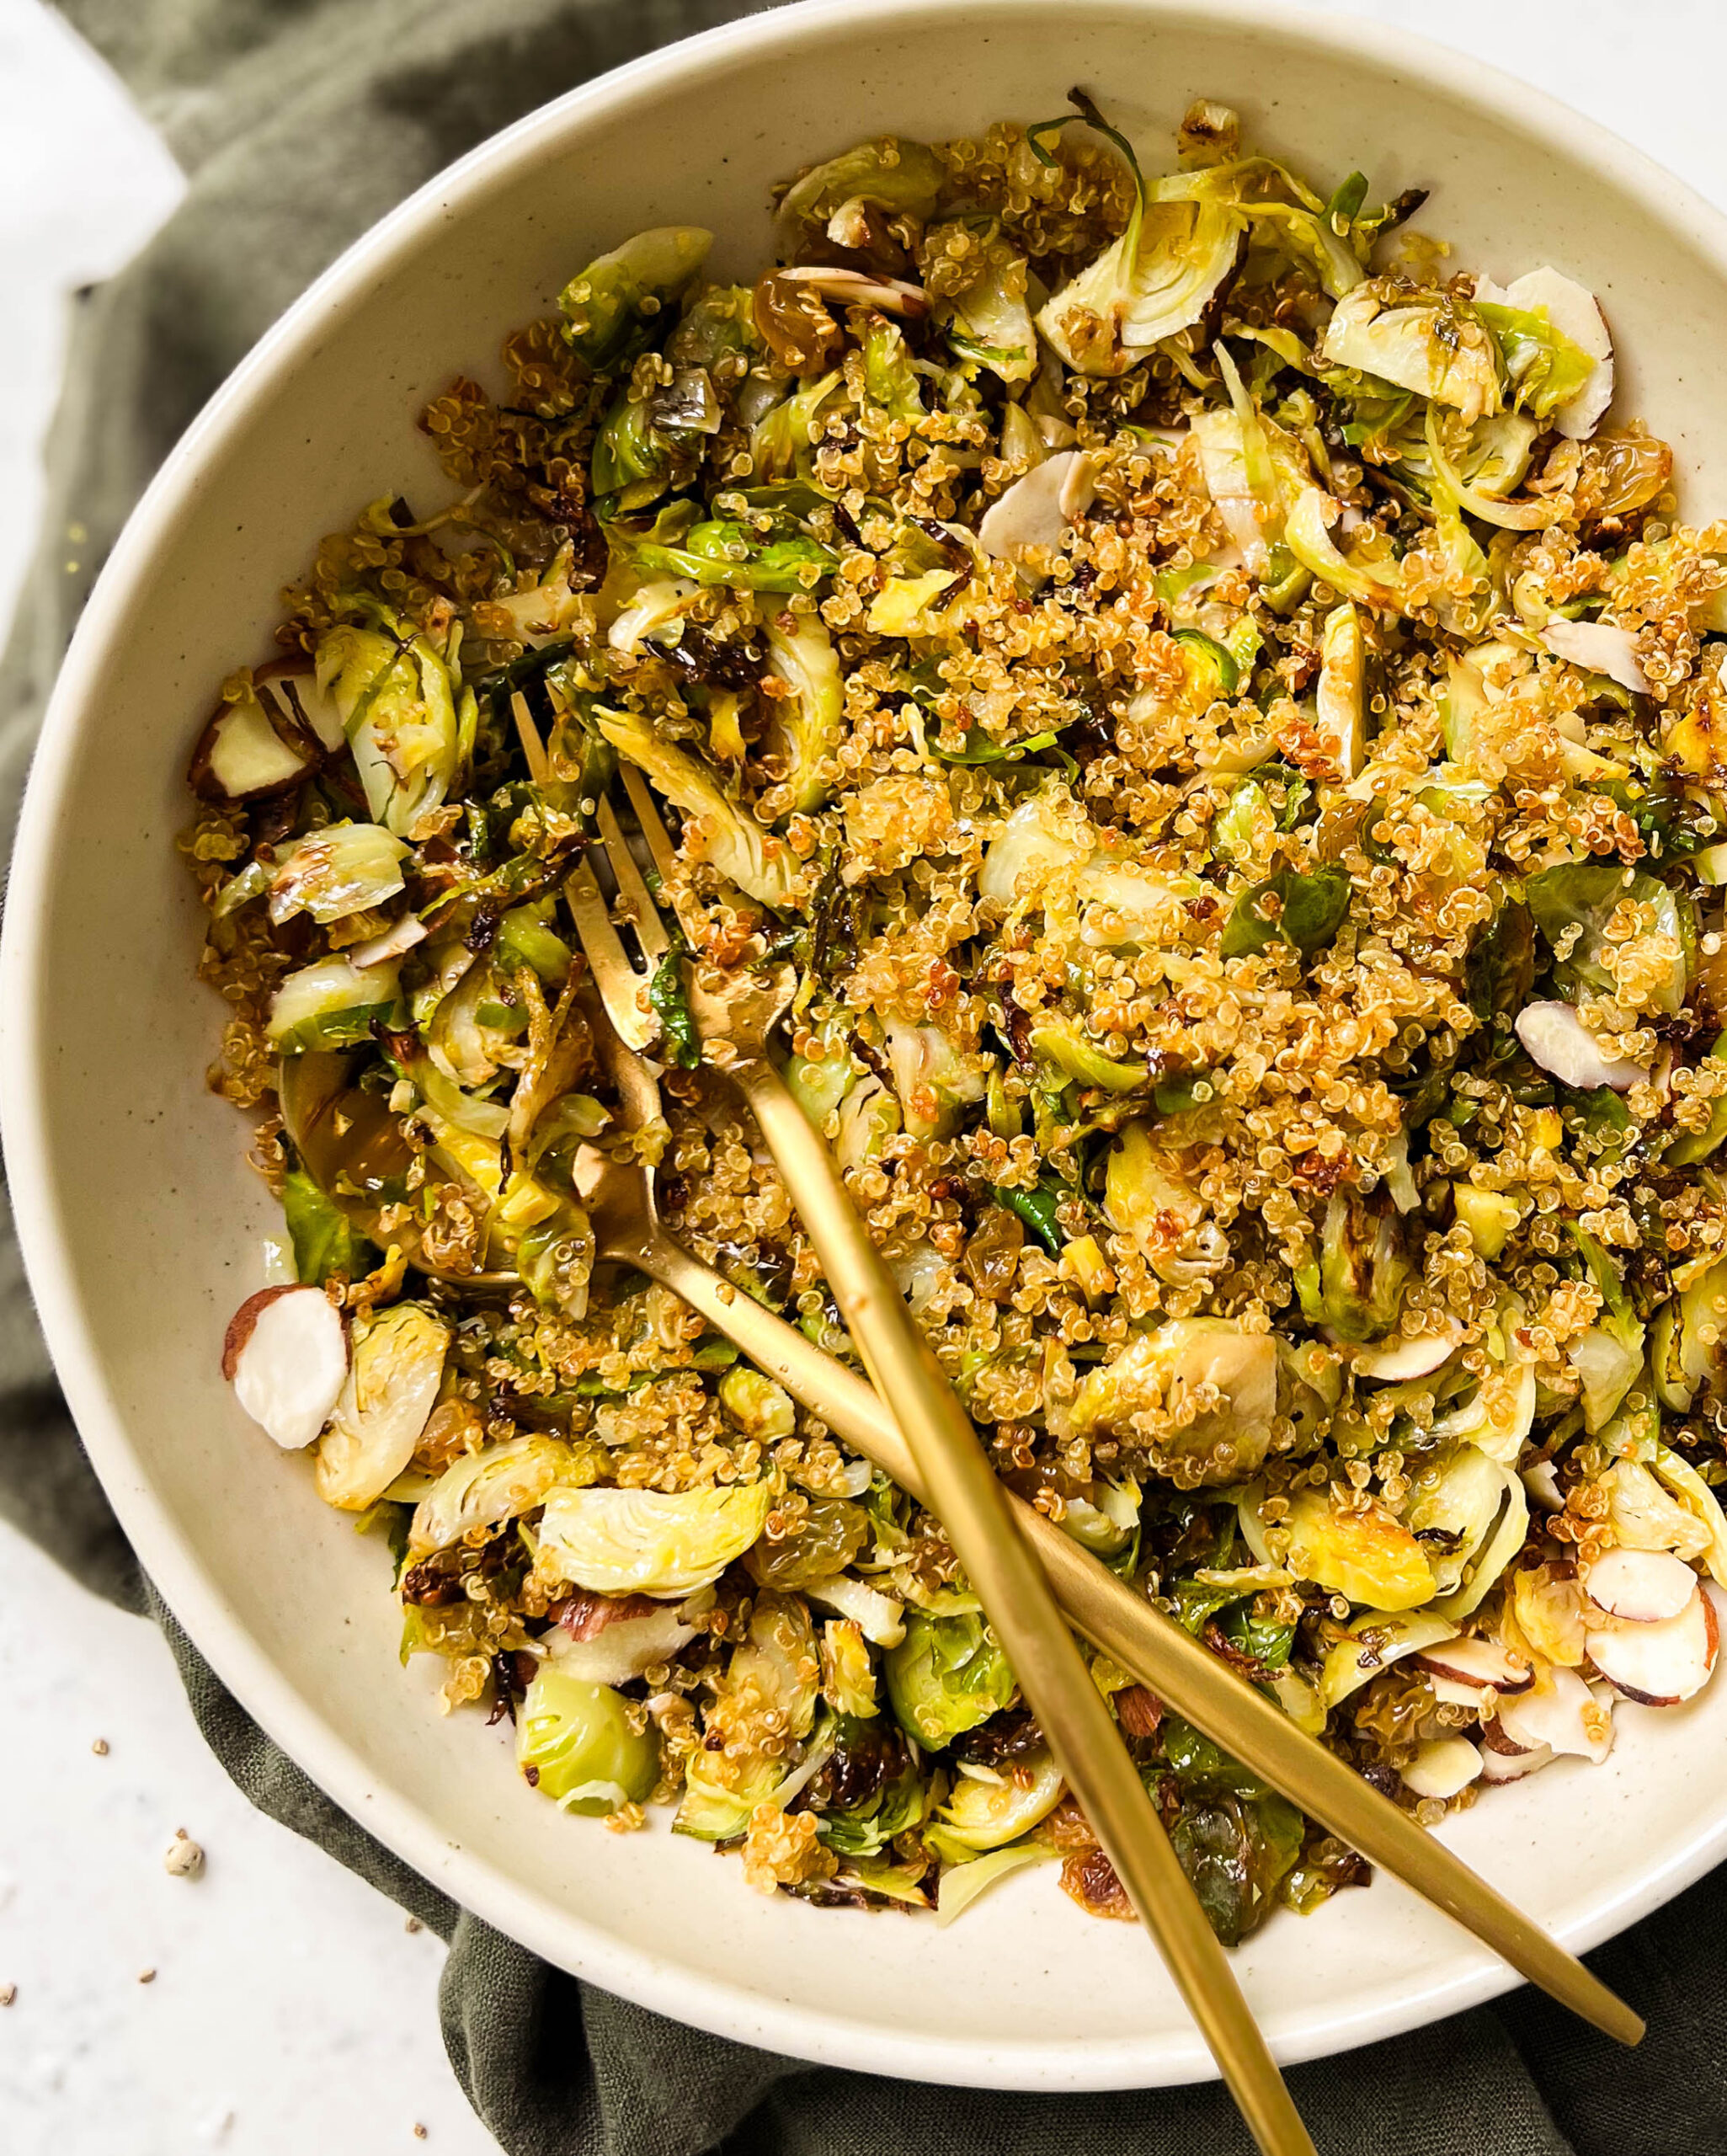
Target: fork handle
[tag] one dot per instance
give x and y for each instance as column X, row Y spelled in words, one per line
column 962, row 1488
column 1168, row 1660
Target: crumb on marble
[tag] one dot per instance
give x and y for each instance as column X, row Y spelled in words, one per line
column 183, row 1858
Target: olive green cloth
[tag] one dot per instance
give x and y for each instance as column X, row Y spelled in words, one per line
column 299, row 122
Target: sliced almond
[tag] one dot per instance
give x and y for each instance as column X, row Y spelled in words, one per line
column 1561, row 1043
column 1643, row 1587
column 1512, row 1766
column 1598, row 647
column 854, row 288
column 1482, row 1663
column 1031, row 513
column 1542, row 1481
column 1397, row 1361
column 1559, row 1710
column 249, row 751
column 1450, row 1693
column 391, row 943
column 1443, row 1766
column 1659, row 1665
column 286, row 1356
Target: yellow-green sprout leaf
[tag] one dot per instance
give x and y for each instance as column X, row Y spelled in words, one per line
column 603, row 307
column 1368, row 1557
column 988, row 320
column 729, row 836
column 1490, row 1560
column 1488, row 1216
column 1147, row 1196
column 1688, row 1340
column 720, row 1794
column 1157, row 279
column 961, row 1884
column 1339, row 701
column 394, row 1371
column 330, row 1004
column 1691, row 1146
column 341, row 869
column 984, row 1812
column 900, row 607
column 1429, row 342
column 891, row 173
column 1372, row 1643
column 1607, row 1367
column 1308, row 534
column 1691, row 1490
column 935, row 1080
column 1453, row 1513
column 648, row 1541
column 1198, row 1391
column 580, row 1745
column 500, row 1483
column 397, row 709
column 1062, row 1042
column 805, row 727
column 848, row 1674
column 774, row 1672
column 761, row 1409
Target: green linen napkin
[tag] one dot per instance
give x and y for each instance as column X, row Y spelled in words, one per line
column 300, row 122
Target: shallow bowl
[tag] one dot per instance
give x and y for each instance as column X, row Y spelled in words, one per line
column 142, row 1228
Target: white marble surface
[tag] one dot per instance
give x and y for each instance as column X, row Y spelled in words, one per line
column 290, row 2009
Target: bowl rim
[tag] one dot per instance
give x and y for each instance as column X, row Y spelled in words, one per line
column 193, row 1594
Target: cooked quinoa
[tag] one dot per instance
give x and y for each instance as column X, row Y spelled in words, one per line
column 1233, row 743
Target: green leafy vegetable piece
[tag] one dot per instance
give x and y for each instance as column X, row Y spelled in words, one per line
column 669, row 998
column 610, row 309
column 579, row 1744
column 1546, row 368
column 1208, row 659
column 1572, row 905
column 1037, row 1209
column 324, row 1239
column 945, row 1676
column 1356, row 1287
column 1309, row 911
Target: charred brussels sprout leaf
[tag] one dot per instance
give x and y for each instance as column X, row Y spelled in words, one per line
column 1303, row 909
column 1501, row 972
column 946, row 1677
column 1355, row 1288
column 870, row 1790
column 1237, row 1854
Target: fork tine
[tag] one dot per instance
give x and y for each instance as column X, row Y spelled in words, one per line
column 638, row 908
column 653, row 829
column 638, row 1089
column 620, row 985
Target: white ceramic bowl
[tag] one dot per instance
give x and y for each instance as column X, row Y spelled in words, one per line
column 142, row 1229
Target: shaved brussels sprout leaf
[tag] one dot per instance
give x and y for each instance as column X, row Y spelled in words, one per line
column 605, row 319
column 325, row 1241
column 580, row 1745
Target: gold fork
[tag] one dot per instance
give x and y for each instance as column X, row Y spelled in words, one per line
column 735, row 1016
column 1167, row 1659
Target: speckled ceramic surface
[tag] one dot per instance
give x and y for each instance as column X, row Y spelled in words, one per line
column 142, row 1228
